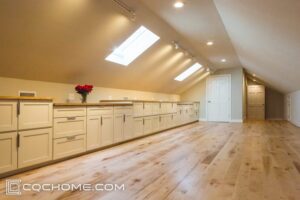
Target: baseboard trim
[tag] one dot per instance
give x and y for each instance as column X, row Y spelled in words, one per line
column 295, row 123
column 236, row 121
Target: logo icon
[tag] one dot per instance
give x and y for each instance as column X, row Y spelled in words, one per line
column 13, row 187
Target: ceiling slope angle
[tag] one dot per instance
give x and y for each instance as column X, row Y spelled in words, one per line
column 68, row 42
column 266, row 36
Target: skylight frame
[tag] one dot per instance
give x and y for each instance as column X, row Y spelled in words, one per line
column 134, row 46
column 188, row 72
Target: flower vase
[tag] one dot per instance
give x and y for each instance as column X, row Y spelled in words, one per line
column 83, row 97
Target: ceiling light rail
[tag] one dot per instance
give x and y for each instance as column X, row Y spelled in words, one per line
column 126, row 8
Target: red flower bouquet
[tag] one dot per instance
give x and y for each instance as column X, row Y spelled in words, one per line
column 84, row 90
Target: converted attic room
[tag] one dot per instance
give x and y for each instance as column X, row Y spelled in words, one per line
column 156, row 100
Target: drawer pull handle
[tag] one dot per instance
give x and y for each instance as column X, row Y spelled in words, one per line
column 71, row 118
column 71, row 138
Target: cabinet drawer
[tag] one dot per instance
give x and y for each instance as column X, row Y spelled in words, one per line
column 127, row 110
column 69, row 112
column 68, row 146
column 35, row 115
column 93, row 111
column 8, row 116
column 8, row 152
column 35, row 147
column 69, row 126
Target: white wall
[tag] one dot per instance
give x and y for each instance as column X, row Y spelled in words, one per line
column 59, row 91
column 295, row 107
column 198, row 93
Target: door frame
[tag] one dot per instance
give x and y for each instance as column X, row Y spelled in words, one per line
column 230, row 99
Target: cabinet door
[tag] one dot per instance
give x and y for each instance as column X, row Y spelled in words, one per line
column 128, row 127
column 35, row 115
column 35, row 147
column 138, row 109
column 138, row 126
column 174, row 107
column 147, row 125
column 8, row 116
column 107, row 129
column 119, row 127
column 174, row 120
column 155, row 108
column 163, row 108
column 162, row 122
column 169, row 121
column 93, row 135
column 147, row 109
column 155, row 124
column 8, row 152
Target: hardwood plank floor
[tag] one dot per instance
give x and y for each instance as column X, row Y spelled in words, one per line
column 207, row 161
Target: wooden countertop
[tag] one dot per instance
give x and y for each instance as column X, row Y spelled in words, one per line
column 150, row 101
column 26, row 98
column 95, row 104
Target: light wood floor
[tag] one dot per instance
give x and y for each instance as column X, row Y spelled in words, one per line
column 207, row 161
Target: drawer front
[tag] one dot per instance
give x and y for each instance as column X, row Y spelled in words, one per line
column 35, row 115
column 69, row 126
column 69, row 111
column 35, row 147
column 8, row 116
column 68, row 146
column 96, row 111
column 8, row 152
column 127, row 110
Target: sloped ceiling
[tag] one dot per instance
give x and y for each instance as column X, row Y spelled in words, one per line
column 67, row 41
column 266, row 36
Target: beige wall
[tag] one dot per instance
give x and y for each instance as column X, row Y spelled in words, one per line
column 198, row 93
column 59, row 91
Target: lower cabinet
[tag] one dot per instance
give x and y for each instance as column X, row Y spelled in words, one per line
column 155, row 124
column 107, row 129
column 119, row 127
column 8, row 152
column 147, row 122
column 128, row 127
column 93, row 139
column 35, row 146
column 68, row 146
column 138, row 126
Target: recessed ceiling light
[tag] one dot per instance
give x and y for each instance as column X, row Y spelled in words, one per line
column 210, row 43
column 178, row 4
column 254, row 75
column 223, row 60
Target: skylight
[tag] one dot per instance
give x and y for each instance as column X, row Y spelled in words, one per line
column 133, row 47
column 188, row 72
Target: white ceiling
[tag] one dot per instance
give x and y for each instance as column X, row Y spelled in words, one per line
column 266, row 36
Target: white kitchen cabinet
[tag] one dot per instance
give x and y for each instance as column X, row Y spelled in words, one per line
column 119, row 120
column 33, row 115
column 107, row 129
column 8, row 116
column 138, row 126
column 174, row 108
column 68, row 146
column 147, row 122
column 148, row 108
column 8, row 152
column 155, row 124
column 69, row 126
column 93, row 138
column 123, row 123
column 35, row 146
column 169, row 121
column 163, row 122
column 138, row 109
column 155, row 108
column 128, row 127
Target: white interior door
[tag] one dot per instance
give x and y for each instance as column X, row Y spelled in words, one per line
column 219, row 98
column 256, row 102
